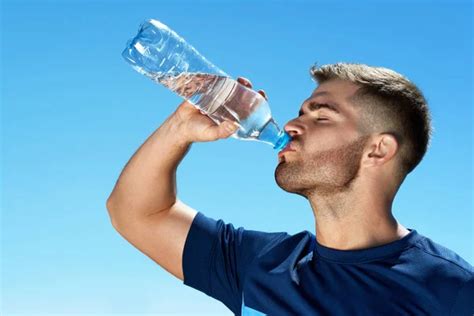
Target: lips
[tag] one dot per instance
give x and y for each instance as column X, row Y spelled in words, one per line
column 286, row 149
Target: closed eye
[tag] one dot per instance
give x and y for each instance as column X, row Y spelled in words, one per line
column 315, row 107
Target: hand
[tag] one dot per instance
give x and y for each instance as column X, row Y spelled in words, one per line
column 248, row 84
column 198, row 127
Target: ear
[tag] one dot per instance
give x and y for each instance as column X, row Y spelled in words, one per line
column 380, row 149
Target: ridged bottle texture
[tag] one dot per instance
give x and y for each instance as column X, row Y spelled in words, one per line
column 162, row 55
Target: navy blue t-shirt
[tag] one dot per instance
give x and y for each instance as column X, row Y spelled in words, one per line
column 261, row 273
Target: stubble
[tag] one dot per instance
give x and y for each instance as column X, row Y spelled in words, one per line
column 323, row 173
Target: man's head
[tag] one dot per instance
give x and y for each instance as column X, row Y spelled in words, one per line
column 360, row 121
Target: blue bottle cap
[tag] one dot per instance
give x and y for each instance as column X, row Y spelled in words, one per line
column 283, row 140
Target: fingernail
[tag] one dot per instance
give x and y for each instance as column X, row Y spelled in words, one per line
column 228, row 125
column 232, row 126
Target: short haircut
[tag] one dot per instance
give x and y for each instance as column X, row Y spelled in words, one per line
column 388, row 103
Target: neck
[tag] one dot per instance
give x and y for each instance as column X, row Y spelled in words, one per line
column 346, row 222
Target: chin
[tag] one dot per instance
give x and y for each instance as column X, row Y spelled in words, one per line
column 288, row 180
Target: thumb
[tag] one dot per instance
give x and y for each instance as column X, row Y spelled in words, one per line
column 225, row 129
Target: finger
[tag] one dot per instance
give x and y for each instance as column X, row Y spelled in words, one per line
column 245, row 82
column 262, row 92
column 227, row 128
column 185, row 105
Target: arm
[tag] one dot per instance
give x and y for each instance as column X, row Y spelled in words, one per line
column 143, row 206
column 147, row 184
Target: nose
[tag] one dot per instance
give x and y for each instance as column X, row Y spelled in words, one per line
column 293, row 128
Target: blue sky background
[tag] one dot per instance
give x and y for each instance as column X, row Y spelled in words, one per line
column 74, row 112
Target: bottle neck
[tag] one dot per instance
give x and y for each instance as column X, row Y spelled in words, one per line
column 274, row 136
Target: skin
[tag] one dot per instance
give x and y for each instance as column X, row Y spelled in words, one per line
column 344, row 173
column 347, row 176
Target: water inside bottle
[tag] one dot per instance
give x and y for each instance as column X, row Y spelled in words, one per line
column 223, row 98
column 162, row 55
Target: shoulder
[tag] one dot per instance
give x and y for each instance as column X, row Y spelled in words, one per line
column 443, row 262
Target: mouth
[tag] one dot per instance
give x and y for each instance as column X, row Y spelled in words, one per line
column 288, row 148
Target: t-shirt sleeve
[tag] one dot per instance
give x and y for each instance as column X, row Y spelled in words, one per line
column 217, row 256
column 464, row 304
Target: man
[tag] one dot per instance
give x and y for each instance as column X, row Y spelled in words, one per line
column 356, row 138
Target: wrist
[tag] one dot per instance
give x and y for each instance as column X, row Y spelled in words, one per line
column 175, row 130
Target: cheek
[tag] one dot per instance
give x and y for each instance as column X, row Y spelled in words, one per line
column 330, row 137
column 324, row 141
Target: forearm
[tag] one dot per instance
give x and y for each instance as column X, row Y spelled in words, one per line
column 147, row 184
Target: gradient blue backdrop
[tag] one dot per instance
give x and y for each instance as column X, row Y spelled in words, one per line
column 73, row 113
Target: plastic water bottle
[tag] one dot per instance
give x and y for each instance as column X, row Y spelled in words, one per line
column 162, row 55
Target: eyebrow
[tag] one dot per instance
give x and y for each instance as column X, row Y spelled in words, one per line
column 313, row 105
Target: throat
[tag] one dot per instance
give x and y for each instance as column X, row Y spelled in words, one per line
column 355, row 233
